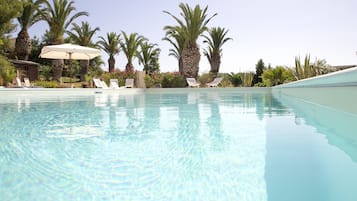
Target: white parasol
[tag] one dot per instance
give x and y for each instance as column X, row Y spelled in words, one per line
column 70, row 52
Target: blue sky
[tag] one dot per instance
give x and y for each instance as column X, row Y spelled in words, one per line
column 274, row 30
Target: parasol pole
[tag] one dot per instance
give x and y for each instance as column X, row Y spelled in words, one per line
column 70, row 69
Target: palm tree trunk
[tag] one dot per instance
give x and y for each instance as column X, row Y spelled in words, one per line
column 129, row 67
column 23, row 45
column 84, row 69
column 190, row 61
column 111, row 62
column 180, row 66
column 215, row 63
column 57, row 65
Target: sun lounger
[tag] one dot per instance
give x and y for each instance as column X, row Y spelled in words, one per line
column 18, row 82
column 97, row 83
column 215, row 82
column 27, row 82
column 129, row 83
column 114, row 84
column 104, row 85
column 192, row 82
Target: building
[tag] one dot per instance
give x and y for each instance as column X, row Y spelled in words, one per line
column 27, row 69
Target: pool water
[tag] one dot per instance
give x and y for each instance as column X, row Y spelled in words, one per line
column 194, row 145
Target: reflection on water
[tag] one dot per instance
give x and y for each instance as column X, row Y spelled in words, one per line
column 338, row 127
column 187, row 146
column 311, row 153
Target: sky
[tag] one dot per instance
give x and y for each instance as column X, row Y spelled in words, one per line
column 273, row 30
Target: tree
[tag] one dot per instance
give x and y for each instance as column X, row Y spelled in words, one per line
column 304, row 70
column 111, row 47
column 59, row 16
column 276, row 76
column 216, row 39
column 259, row 69
column 247, row 78
column 178, row 41
column 149, row 57
column 36, row 47
column 321, row 67
column 82, row 35
column 193, row 25
column 29, row 16
column 130, row 46
column 9, row 9
column 7, row 71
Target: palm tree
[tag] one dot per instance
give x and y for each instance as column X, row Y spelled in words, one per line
column 305, row 70
column 111, row 47
column 149, row 57
column 82, row 35
column 130, row 47
column 29, row 16
column 194, row 24
column 178, row 41
column 216, row 39
column 59, row 16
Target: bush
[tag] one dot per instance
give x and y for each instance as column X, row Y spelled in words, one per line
column 119, row 75
column 45, row 72
column 235, row 79
column 173, row 80
column 7, row 71
column 206, row 78
column 47, row 84
column 153, row 80
column 226, row 82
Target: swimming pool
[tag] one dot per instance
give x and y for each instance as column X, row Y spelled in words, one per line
column 191, row 144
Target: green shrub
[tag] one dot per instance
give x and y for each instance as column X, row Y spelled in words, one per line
column 173, row 80
column 45, row 72
column 235, row 79
column 47, row 84
column 206, row 78
column 7, row 71
column 153, row 80
column 247, row 78
column 226, row 82
column 119, row 75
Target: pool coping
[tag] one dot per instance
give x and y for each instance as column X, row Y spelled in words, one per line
column 91, row 91
column 343, row 78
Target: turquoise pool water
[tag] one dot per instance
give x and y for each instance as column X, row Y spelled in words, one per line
column 190, row 145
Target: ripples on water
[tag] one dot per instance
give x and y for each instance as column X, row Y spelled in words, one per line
column 189, row 146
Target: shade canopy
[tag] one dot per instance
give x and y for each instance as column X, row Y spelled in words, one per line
column 69, row 51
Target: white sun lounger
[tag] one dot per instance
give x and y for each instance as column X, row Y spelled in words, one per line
column 27, row 82
column 215, row 82
column 114, row 84
column 97, row 82
column 129, row 83
column 18, row 82
column 104, row 85
column 192, row 82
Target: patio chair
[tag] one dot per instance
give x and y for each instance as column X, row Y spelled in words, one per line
column 114, row 84
column 104, row 85
column 129, row 83
column 18, row 82
column 27, row 82
column 215, row 82
column 192, row 82
column 97, row 83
